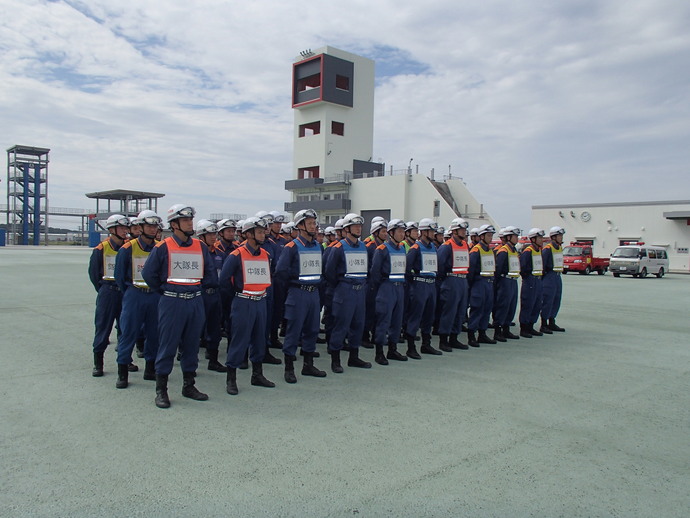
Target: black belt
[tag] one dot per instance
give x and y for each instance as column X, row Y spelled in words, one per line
column 428, row 280
column 250, row 297
column 143, row 289
column 182, row 295
column 460, row 275
column 211, row 291
column 307, row 287
column 356, row 287
column 113, row 287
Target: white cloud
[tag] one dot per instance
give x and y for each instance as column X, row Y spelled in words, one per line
column 529, row 103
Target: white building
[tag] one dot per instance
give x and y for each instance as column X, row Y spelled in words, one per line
column 608, row 225
column 333, row 101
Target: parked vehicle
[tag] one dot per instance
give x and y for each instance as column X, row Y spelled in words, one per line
column 639, row 260
column 578, row 257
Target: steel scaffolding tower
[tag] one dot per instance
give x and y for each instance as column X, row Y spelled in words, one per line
column 27, row 184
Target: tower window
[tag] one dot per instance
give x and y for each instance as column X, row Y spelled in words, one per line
column 337, row 128
column 309, row 82
column 309, row 129
column 342, row 82
column 308, row 172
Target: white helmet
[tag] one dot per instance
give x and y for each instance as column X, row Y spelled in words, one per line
column 304, row 214
column 265, row 215
column 116, row 220
column 288, row 227
column 410, row 225
column 427, row 224
column 395, row 223
column 339, row 224
column 134, row 220
column 501, row 232
column 441, row 230
column 534, row 232
column 486, row 229
column 474, row 232
column 329, row 231
column 149, row 217
column 458, row 223
column 446, row 234
column 227, row 223
column 511, row 231
column 377, row 224
column 179, row 210
column 278, row 217
column 205, row 226
column 556, row 230
column 239, row 225
column 352, row 219
column 254, row 222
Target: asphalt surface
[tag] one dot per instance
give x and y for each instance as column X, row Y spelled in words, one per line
column 591, row 422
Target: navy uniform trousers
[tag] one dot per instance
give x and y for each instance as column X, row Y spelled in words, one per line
column 213, row 309
column 552, row 291
column 481, row 303
column 422, row 305
column 506, row 300
column 530, row 299
column 349, row 301
column 108, row 308
column 180, row 322
column 302, row 310
column 248, row 332
column 390, row 302
column 139, row 311
column 454, row 294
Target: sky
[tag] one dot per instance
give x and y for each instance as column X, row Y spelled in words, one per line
column 531, row 103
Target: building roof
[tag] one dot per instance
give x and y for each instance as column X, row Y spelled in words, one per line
column 615, row 204
column 677, row 214
column 124, row 194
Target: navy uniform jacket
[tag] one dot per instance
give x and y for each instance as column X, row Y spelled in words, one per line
column 155, row 271
column 96, row 265
column 335, row 268
column 123, row 264
column 381, row 264
column 475, row 264
column 287, row 270
column 502, row 265
column 414, row 259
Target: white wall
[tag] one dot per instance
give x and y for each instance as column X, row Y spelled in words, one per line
column 611, row 223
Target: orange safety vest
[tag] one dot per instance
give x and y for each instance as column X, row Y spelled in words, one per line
column 256, row 271
column 185, row 263
column 461, row 256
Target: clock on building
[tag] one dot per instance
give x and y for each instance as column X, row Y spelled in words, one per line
column 585, row 216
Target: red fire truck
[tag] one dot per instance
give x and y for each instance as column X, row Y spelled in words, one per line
column 578, row 257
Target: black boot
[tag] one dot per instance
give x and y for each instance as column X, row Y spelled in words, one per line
column 524, row 331
column 355, row 361
column 275, row 341
column 484, row 338
column 122, row 375
column 188, row 388
column 290, row 369
column 140, row 347
column 162, row 400
column 498, row 334
column 258, row 378
column 366, row 340
column 534, row 332
column 97, row 371
column 380, row 358
column 150, row 370
column 308, row 368
column 456, row 344
column 426, row 347
column 545, row 327
column 443, row 344
column 508, row 334
column 393, row 353
column 554, row 327
column 231, row 382
column 132, row 367
column 471, row 339
column 335, row 362
column 411, row 349
column 213, row 363
column 270, row 359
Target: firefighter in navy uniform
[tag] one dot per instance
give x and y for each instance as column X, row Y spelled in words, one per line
column 387, row 275
column 507, row 273
column 481, row 279
column 207, row 231
column 346, row 270
column 377, row 236
column 139, row 301
column 102, row 276
column 179, row 267
column 420, row 273
column 453, row 265
column 300, row 270
column 246, row 275
column 531, row 271
column 552, row 259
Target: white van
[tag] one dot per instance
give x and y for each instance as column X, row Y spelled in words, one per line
column 639, row 261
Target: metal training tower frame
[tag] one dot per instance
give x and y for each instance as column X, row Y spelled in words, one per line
column 27, row 184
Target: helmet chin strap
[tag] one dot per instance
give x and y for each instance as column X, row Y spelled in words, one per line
column 188, row 233
column 147, row 236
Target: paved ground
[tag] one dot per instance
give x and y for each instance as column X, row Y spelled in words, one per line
column 593, row 422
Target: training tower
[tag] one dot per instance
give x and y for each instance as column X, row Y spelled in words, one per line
column 27, row 185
